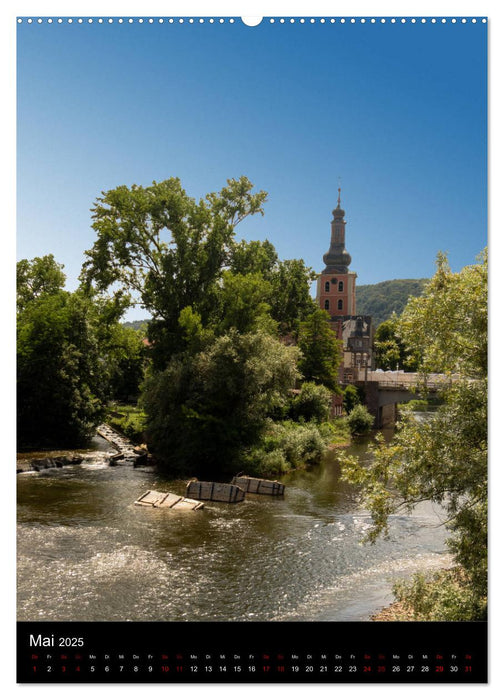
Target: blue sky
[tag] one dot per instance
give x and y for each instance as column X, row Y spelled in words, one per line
column 398, row 111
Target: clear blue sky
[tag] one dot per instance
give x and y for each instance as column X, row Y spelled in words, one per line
column 398, row 111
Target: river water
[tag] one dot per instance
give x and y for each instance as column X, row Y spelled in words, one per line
column 86, row 552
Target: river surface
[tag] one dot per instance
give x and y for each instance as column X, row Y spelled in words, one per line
column 86, row 552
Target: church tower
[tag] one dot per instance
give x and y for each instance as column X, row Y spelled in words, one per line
column 336, row 294
column 336, row 285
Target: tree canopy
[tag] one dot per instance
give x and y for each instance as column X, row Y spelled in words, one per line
column 389, row 348
column 72, row 355
column 206, row 408
column 167, row 249
column 37, row 277
column 444, row 459
column 321, row 351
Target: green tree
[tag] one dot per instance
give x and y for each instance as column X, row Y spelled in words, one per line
column 447, row 325
column 126, row 359
column 312, row 403
column 291, row 302
column 351, row 397
column 443, row 460
column 322, row 351
column 289, row 295
column 253, row 257
column 360, row 420
column 37, row 277
column 243, row 304
column 205, row 409
column 167, row 249
column 390, row 351
column 60, row 376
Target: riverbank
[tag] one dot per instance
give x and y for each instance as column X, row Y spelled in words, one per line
column 432, row 598
column 395, row 612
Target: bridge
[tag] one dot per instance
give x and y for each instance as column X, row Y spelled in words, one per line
column 384, row 390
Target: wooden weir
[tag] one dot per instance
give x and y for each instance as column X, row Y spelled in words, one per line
column 158, row 499
column 266, row 487
column 214, row 491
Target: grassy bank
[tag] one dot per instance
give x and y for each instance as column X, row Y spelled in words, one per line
column 443, row 596
column 127, row 419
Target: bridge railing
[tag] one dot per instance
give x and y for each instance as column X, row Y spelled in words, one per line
column 406, row 380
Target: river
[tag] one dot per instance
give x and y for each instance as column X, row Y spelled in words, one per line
column 86, row 552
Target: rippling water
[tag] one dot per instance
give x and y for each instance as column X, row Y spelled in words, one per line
column 85, row 552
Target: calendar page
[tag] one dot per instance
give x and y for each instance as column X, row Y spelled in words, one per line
column 251, row 349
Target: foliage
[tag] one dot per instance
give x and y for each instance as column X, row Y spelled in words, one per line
column 253, row 257
column 137, row 325
column 288, row 295
column 351, row 397
column 126, row 360
column 336, row 432
column 284, row 446
column 386, row 298
column 36, row 278
column 390, row 350
column 322, row 351
column 204, row 409
column 290, row 301
column 169, row 250
column 312, row 403
column 242, row 304
column 360, row 421
column 60, row 378
column 72, row 356
column 416, row 405
column 444, row 459
column 447, row 596
column 447, row 326
column 129, row 420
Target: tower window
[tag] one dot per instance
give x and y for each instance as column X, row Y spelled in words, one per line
column 327, row 286
column 326, row 304
column 340, row 286
column 340, row 304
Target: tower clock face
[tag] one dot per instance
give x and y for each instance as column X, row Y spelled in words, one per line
column 334, row 280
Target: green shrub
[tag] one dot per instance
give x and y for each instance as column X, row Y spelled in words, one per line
column 285, row 446
column 351, row 398
column 447, row 596
column 312, row 403
column 360, row 420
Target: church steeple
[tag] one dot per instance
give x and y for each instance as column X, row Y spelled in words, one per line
column 337, row 259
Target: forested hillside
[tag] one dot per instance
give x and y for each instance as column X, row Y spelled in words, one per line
column 136, row 325
column 382, row 299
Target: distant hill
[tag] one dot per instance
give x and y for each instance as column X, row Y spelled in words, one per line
column 136, row 324
column 382, row 299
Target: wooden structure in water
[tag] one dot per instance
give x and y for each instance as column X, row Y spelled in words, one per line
column 265, row 487
column 158, row 499
column 214, row 491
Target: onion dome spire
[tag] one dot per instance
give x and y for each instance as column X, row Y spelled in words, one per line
column 337, row 258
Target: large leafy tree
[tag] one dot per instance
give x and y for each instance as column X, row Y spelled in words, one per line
column 288, row 295
column 72, row 355
column 321, row 351
column 60, row 376
column 443, row 460
column 167, row 249
column 207, row 407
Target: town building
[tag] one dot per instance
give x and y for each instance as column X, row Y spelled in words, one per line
column 336, row 294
